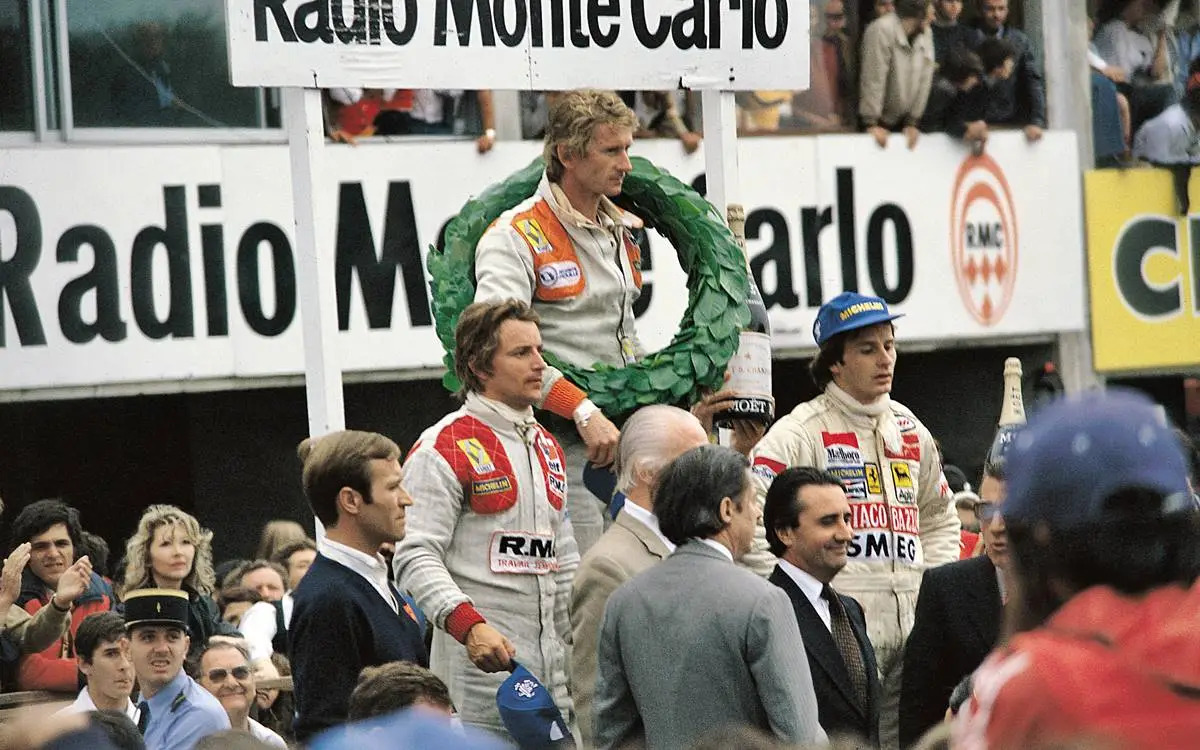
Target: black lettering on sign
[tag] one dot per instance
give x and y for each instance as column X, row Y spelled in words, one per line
column 15, row 272
column 688, row 28
column 605, row 37
column 376, row 270
column 101, row 280
column 212, row 250
column 283, row 278
column 172, row 236
column 278, row 14
column 541, row 547
column 766, row 39
column 464, row 19
column 847, row 228
column 514, row 35
column 779, row 253
column 513, row 545
column 812, row 221
column 877, row 545
column 647, row 37
column 356, row 30
column 312, row 22
column 890, row 212
column 402, row 35
column 985, row 235
column 1136, row 241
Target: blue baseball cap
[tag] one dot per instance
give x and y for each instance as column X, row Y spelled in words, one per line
column 847, row 312
column 530, row 714
column 1076, row 452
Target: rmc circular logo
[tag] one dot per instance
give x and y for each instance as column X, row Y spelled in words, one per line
column 983, row 239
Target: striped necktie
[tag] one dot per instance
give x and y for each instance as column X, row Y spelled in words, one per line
column 847, row 644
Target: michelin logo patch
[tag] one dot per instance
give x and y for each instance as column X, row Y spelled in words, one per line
column 559, row 274
column 490, row 486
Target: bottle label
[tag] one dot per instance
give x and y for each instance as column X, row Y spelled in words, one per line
column 750, row 378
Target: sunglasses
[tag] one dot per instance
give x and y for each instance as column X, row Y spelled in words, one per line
column 219, row 675
column 985, row 512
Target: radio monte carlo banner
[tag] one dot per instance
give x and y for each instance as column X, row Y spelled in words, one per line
column 177, row 263
column 520, row 44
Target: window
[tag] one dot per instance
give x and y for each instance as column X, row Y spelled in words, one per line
column 16, row 62
column 154, row 63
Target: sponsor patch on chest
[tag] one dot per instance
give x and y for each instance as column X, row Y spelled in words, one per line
column 559, row 274
column 477, row 455
column 843, row 459
column 532, row 231
column 522, row 552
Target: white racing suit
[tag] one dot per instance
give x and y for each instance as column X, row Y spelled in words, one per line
column 581, row 275
column 488, row 529
column 902, row 515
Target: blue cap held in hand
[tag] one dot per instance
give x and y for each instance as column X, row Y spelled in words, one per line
column 530, row 714
column 850, row 311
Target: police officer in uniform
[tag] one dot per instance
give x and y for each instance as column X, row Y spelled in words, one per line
column 175, row 712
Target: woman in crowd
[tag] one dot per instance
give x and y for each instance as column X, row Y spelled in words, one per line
column 170, row 550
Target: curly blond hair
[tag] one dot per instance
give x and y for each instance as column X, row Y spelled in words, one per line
column 139, row 573
column 572, row 121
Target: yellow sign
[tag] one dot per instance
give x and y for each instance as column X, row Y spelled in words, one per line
column 1144, row 271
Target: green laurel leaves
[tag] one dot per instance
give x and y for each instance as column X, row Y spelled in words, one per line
column 717, row 288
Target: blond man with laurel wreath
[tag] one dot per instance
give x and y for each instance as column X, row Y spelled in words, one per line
column 567, row 252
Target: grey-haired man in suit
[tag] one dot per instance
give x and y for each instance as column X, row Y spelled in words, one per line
column 652, row 438
column 668, row 668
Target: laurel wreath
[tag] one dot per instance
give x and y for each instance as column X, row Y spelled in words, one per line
column 717, row 286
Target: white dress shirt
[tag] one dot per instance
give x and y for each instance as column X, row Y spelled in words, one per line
column 84, row 704
column 371, row 567
column 262, row 734
column 717, row 546
column 649, row 520
column 259, row 626
column 812, row 590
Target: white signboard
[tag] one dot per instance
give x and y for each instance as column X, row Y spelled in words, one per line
column 520, row 44
column 177, row 263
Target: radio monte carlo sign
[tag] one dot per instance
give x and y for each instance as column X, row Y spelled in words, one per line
column 179, row 263
column 520, row 44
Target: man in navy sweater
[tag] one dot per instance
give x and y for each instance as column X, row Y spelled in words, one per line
column 347, row 614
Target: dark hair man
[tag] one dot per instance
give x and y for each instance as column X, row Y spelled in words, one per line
column 52, row 530
column 102, row 648
column 490, row 554
column 174, row 712
column 296, row 558
column 652, row 438
column 224, row 670
column 957, row 622
column 903, row 519
column 807, row 520
column 1018, row 99
column 667, row 674
column 391, row 687
column 347, row 614
column 1105, row 550
column 566, row 252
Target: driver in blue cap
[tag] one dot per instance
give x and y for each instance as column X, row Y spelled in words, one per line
column 902, row 515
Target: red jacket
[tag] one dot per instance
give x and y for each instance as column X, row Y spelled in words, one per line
column 1121, row 670
column 55, row 668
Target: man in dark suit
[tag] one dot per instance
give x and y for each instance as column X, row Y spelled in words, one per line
column 697, row 643
column 807, row 520
column 959, row 611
